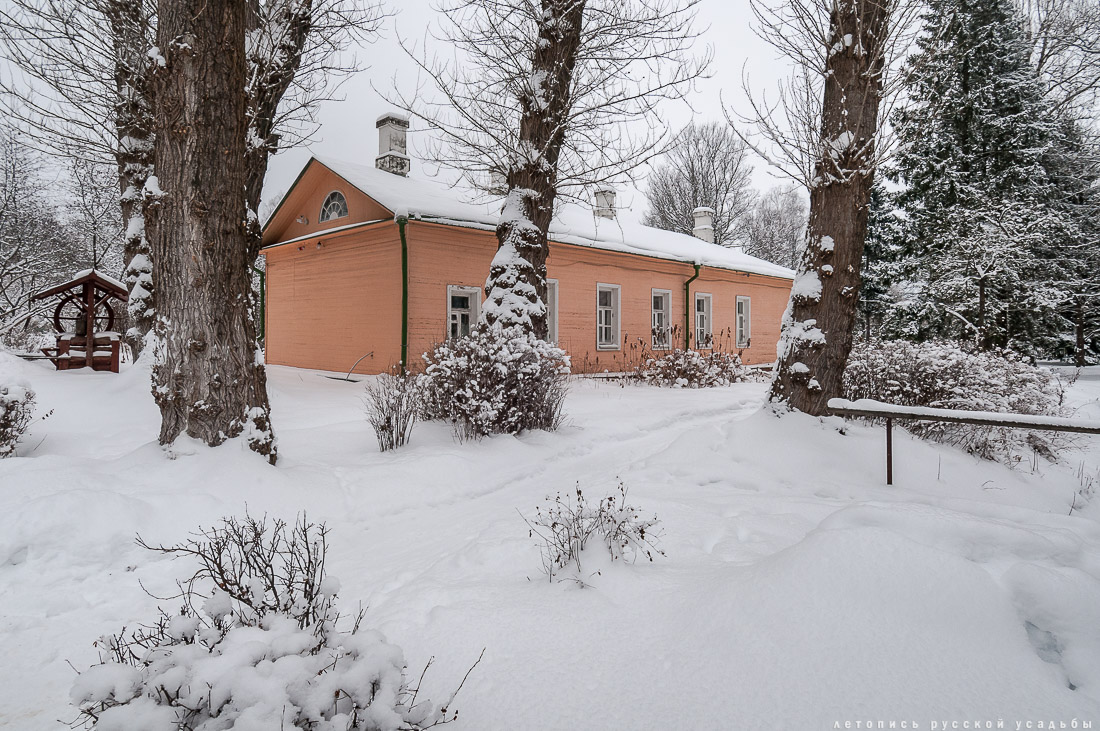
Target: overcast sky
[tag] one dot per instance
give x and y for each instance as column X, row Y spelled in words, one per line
column 347, row 127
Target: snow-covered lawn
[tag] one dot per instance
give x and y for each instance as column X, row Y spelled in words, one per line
column 798, row 591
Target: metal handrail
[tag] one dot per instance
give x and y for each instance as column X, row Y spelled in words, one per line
column 868, row 408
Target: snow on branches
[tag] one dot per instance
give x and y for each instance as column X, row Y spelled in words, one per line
column 495, row 381
column 256, row 643
column 942, row 375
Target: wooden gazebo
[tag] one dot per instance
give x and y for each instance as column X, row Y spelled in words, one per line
column 84, row 319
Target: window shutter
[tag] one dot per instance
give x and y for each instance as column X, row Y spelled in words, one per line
column 748, row 320
column 552, row 311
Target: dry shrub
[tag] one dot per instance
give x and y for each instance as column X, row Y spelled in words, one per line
column 564, row 526
column 392, row 402
column 16, row 411
column 692, row 369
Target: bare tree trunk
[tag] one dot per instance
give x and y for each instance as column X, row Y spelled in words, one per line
column 818, row 324
column 270, row 73
column 208, row 380
column 516, row 288
column 983, row 336
column 130, row 27
column 1079, row 344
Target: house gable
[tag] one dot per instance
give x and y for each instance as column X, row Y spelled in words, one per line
column 304, row 200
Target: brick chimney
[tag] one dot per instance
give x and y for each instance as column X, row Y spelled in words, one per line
column 392, row 157
column 605, row 203
column 704, row 224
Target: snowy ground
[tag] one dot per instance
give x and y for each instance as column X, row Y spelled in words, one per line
column 798, row 590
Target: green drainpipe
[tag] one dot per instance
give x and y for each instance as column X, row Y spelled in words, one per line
column 687, row 306
column 402, row 221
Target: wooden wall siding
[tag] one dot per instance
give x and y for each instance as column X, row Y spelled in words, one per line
column 328, row 306
column 305, row 199
column 440, row 255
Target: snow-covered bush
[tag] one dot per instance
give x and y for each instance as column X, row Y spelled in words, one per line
column 692, row 369
column 255, row 645
column 392, row 402
column 35, row 334
column 16, row 408
column 564, row 525
column 495, row 381
column 942, row 375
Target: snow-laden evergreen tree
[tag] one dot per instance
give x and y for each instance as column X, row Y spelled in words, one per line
column 1077, row 169
column 879, row 296
column 980, row 252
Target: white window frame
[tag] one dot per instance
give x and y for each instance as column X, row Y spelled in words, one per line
column 743, row 322
column 551, row 310
column 704, row 334
column 665, row 294
column 474, row 293
column 616, row 315
column 321, row 213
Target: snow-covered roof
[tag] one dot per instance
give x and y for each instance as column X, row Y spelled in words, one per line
column 105, row 277
column 99, row 279
column 572, row 224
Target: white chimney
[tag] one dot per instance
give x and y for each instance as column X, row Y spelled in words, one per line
column 392, row 157
column 704, row 224
column 605, row 203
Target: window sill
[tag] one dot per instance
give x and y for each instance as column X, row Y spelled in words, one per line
column 608, row 347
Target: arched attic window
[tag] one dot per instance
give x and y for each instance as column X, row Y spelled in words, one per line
column 335, row 206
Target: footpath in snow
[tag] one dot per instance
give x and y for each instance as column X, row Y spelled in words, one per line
column 798, row 591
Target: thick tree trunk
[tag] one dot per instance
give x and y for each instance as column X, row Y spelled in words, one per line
column 130, row 28
column 818, row 324
column 208, row 380
column 516, row 287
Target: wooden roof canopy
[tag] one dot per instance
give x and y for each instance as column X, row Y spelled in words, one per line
column 90, row 276
column 81, row 297
column 84, row 320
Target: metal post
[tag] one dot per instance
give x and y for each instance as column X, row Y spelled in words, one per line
column 89, row 325
column 889, row 451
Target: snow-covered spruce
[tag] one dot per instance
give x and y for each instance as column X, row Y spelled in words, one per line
column 692, row 369
column 498, row 380
column 392, row 403
column 16, row 409
column 942, row 375
column 255, row 645
column 564, row 525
